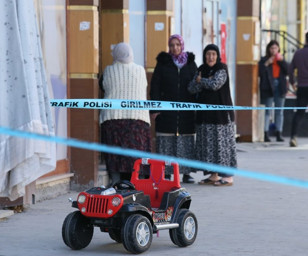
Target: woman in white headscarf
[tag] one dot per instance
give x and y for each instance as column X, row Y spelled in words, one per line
column 124, row 128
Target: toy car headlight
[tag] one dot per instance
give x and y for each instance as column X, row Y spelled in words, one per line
column 81, row 199
column 116, row 201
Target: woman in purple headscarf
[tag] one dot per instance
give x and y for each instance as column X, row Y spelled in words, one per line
column 174, row 129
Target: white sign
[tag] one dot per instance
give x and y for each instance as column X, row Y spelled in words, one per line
column 84, row 25
column 246, row 37
column 159, row 26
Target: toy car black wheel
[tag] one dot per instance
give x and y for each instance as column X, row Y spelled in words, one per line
column 137, row 234
column 115, row 234
column 186, row 233
column 77, row 231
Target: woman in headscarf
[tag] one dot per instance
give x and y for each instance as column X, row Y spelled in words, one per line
column 175, row 131
column 215, row 141
column 124, row 128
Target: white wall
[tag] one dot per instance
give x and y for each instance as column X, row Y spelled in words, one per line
column 51, row 16
column 191, row 20
column 137, row 29
column 188, row 23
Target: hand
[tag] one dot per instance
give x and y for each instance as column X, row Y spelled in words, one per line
column 269, row 61
column 294, row 86
column 198, row 79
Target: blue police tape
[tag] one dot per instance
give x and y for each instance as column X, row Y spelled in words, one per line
column 140, row 154
column 147, row 105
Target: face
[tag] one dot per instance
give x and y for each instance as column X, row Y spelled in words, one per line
column 211, row 57
column 274, row 49
column 175, row 47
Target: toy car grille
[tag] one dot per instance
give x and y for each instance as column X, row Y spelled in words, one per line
column 97, row 205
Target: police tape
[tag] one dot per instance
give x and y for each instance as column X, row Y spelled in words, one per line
column 140, row 154
column 148, row 105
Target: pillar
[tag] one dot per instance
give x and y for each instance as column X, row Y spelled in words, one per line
column 158, row 27
column 302, row 18
column 158, row 30
column 248, row 37
column 114, row 25
column 83, row 68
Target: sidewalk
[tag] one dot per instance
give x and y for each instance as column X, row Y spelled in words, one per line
column 251, row 218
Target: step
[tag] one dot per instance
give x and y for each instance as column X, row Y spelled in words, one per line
column 51, row 187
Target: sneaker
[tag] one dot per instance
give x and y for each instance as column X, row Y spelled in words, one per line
column 293, row 142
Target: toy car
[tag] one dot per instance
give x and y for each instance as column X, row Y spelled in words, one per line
column 131, row 211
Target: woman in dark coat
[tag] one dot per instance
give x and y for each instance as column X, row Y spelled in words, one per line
column 174, row 129
column 273, row 71
column 215, row 141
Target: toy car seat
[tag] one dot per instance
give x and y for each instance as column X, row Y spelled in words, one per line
column 156, row 185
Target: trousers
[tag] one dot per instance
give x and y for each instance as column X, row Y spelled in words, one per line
column 301, row 101
column 278, row 114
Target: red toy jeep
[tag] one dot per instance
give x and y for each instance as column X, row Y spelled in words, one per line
column 132, row 211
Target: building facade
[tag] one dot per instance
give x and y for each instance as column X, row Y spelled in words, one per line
column 78, row 36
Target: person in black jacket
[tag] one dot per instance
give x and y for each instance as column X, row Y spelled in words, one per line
column 300, row 63
column 175, row 131
column 273, row 71
column 215, row 142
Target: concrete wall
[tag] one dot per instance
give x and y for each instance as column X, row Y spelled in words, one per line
column 201, row 23
column 137, row 10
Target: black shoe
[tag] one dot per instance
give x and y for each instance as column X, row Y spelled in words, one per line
column 188, row 179
column 266, row 137
column 278, row 137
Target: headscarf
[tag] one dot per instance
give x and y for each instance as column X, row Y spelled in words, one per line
column 181, row 59
column 123, row 53
column 219, row 97
column 206, row 70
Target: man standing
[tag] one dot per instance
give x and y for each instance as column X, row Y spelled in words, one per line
column 299, row 62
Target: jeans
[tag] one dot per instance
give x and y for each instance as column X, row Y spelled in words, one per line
column 279, row 102
column 301, row 101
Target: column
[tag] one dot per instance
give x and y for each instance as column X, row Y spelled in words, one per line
column 114, row 27
column 248, row 37
column 159, row 24
column 158, row 30
column 83, row 66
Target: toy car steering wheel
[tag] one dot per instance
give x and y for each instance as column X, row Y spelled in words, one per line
column 124, row 184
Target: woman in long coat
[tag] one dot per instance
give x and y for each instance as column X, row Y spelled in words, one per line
column 175, row 130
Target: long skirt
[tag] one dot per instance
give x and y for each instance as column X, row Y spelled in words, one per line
column 181, row 146
column 216, row 144
column 125, row 133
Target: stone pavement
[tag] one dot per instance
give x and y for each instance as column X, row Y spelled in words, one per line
column 251, row 218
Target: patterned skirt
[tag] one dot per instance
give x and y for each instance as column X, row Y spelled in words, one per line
column 125, row 133
column 181, row 146
column 216, row 144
